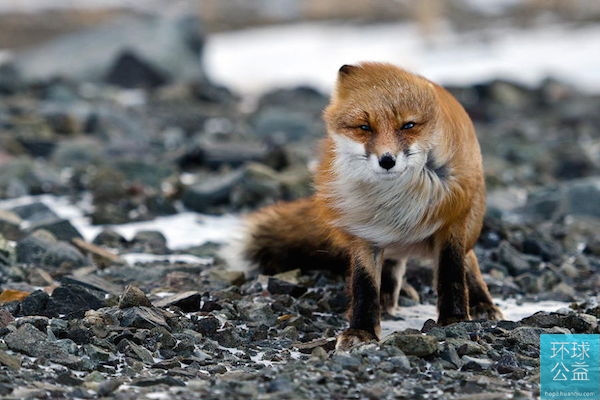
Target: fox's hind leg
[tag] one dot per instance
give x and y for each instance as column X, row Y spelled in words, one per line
column 480, row 301
column 392, row 276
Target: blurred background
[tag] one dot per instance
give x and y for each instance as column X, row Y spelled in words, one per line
column 252, row 45
column 142, row 108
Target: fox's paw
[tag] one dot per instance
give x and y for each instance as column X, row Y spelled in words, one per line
column 486, row 311
column 351, row 337
column 393, row 312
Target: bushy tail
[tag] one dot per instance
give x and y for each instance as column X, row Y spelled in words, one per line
column 291, row 235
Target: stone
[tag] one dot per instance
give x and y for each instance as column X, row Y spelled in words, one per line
column 516, row 262
column 74, row 300
column 143, row 318
column 7, row 252
column 130, row 71
column 413, row 344
column 36, row 304
column 5, row 318
column 61, row 228
column 278, row 286
column 133, row 297
column 211, row 192
column 236, row 278
column 64, row 256
column 327, row 344
column 10, row 225
column 450, row 355
column 152, row 242
column 84, row 278
column 189, row 301
column 507, row 364
column 11, row 362
column 133, row 350
column 100, row 256
column 30, row 341
column 32, row 248
column 111, row 239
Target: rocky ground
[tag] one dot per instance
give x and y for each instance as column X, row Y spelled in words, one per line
column 78, row 321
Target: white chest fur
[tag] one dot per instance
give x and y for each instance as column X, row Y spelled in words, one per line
column 384, row 209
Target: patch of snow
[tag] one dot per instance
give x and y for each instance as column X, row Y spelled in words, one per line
column 144, row 258
column 254, row 60
column 182, row 230
column 415, row 316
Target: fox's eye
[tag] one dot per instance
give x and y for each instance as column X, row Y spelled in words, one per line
column 408, row 125
column 366, row 128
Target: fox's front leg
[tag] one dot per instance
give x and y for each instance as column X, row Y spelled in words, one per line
column 365, row 278
column 452, row 290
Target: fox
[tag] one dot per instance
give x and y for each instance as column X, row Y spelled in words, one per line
column 399, row 175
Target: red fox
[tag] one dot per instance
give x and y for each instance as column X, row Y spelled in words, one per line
column 399, row 175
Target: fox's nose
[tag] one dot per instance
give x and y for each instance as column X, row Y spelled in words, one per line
column 387, row 161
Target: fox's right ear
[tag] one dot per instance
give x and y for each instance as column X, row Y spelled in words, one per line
column 346, row 69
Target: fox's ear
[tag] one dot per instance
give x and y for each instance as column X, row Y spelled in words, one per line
column 347, row 69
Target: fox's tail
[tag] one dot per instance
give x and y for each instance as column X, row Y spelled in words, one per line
column 291, row 235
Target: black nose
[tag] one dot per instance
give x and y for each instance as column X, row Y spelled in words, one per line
column 387, row 161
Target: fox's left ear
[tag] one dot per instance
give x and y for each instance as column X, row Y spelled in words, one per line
column 347, row 69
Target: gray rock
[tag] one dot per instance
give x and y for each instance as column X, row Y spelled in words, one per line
column 110, row 238
column 24, row 176
column 32, row 248
column 450, row 355
column 10, row 225
column 143, row 317
column 577, row 323
column 135, row 351
column 211, row 192
column 152, row 242
column 413, row 344
column 507, row 364
column 172, row 44
column 7, row 252
column 278, row 286
column 516, row 262
column 131, row 71
column 64, row 256
column 527, row 338
column 61, row 228
column 30, row 341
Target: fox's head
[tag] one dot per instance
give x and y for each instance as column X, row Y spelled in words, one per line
column 383, row 121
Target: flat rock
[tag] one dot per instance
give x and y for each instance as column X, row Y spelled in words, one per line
column 413, row 344
column 143, row 317
column 189, row 301
column 100, row 256
column 30, row 341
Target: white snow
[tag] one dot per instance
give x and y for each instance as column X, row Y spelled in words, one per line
column 415, row 316
column 182, row 230
column 254, row 60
